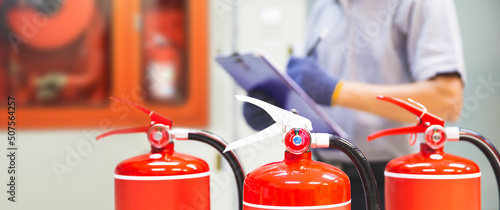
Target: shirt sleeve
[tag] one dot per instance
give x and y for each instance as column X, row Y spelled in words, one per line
column 434, row 44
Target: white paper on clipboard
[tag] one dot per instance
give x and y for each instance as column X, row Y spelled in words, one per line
column 254, row 70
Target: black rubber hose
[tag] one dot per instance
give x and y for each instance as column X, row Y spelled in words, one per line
column 219, row 144
column 488, row 150
column 365, row 171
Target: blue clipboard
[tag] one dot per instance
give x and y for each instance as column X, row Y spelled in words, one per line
column 255, row 71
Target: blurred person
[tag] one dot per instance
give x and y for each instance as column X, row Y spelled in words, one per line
column 398, row 48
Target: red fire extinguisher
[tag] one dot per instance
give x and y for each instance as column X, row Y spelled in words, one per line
column 433, row 179
column 298, row 182
column 164, row 178
column 164, row 51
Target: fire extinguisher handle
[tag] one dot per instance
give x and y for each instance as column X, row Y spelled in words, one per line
column 124, row 131
column 486, row 148
column 403, row 104
column 219, row 144
column 425, row 119
column 155, row 117
column 395, row 131
column 372, row 198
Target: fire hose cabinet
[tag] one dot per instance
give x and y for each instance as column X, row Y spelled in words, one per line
column 61, row 60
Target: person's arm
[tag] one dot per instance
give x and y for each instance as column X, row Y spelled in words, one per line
column 433, row 46
column 442, row 95
column 435, row 62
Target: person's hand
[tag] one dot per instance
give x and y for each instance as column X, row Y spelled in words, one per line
column 317, row 83
column 255, row 116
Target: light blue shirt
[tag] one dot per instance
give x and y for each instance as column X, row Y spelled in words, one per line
column 383, row 42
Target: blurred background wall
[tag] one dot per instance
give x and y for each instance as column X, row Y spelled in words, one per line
column 271, row 25
column 480, row 25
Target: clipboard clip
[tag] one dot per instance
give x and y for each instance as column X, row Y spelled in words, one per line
column 237, row 59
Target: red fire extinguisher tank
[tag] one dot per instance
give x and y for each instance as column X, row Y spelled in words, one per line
column 432, row 179
column 297, row 181
column 162, row 179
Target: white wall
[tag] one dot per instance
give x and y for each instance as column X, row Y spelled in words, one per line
column 480, row 26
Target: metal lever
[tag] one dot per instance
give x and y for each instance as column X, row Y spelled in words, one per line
column 155, row 119
column 425, row 119
column 123, row 131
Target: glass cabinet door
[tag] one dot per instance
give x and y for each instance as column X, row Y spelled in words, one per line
column 164, row 51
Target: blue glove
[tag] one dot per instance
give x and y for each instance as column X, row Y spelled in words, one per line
column 255, row 116
column 315, row 82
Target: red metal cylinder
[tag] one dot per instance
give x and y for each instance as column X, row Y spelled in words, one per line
column 432, row 179
column 297, row 181
column 162, row 179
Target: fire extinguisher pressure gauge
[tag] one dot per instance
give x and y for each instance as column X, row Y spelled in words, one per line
column 297, row 140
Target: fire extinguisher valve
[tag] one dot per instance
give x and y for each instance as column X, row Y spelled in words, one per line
column 159, row 132
column 294, row 128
